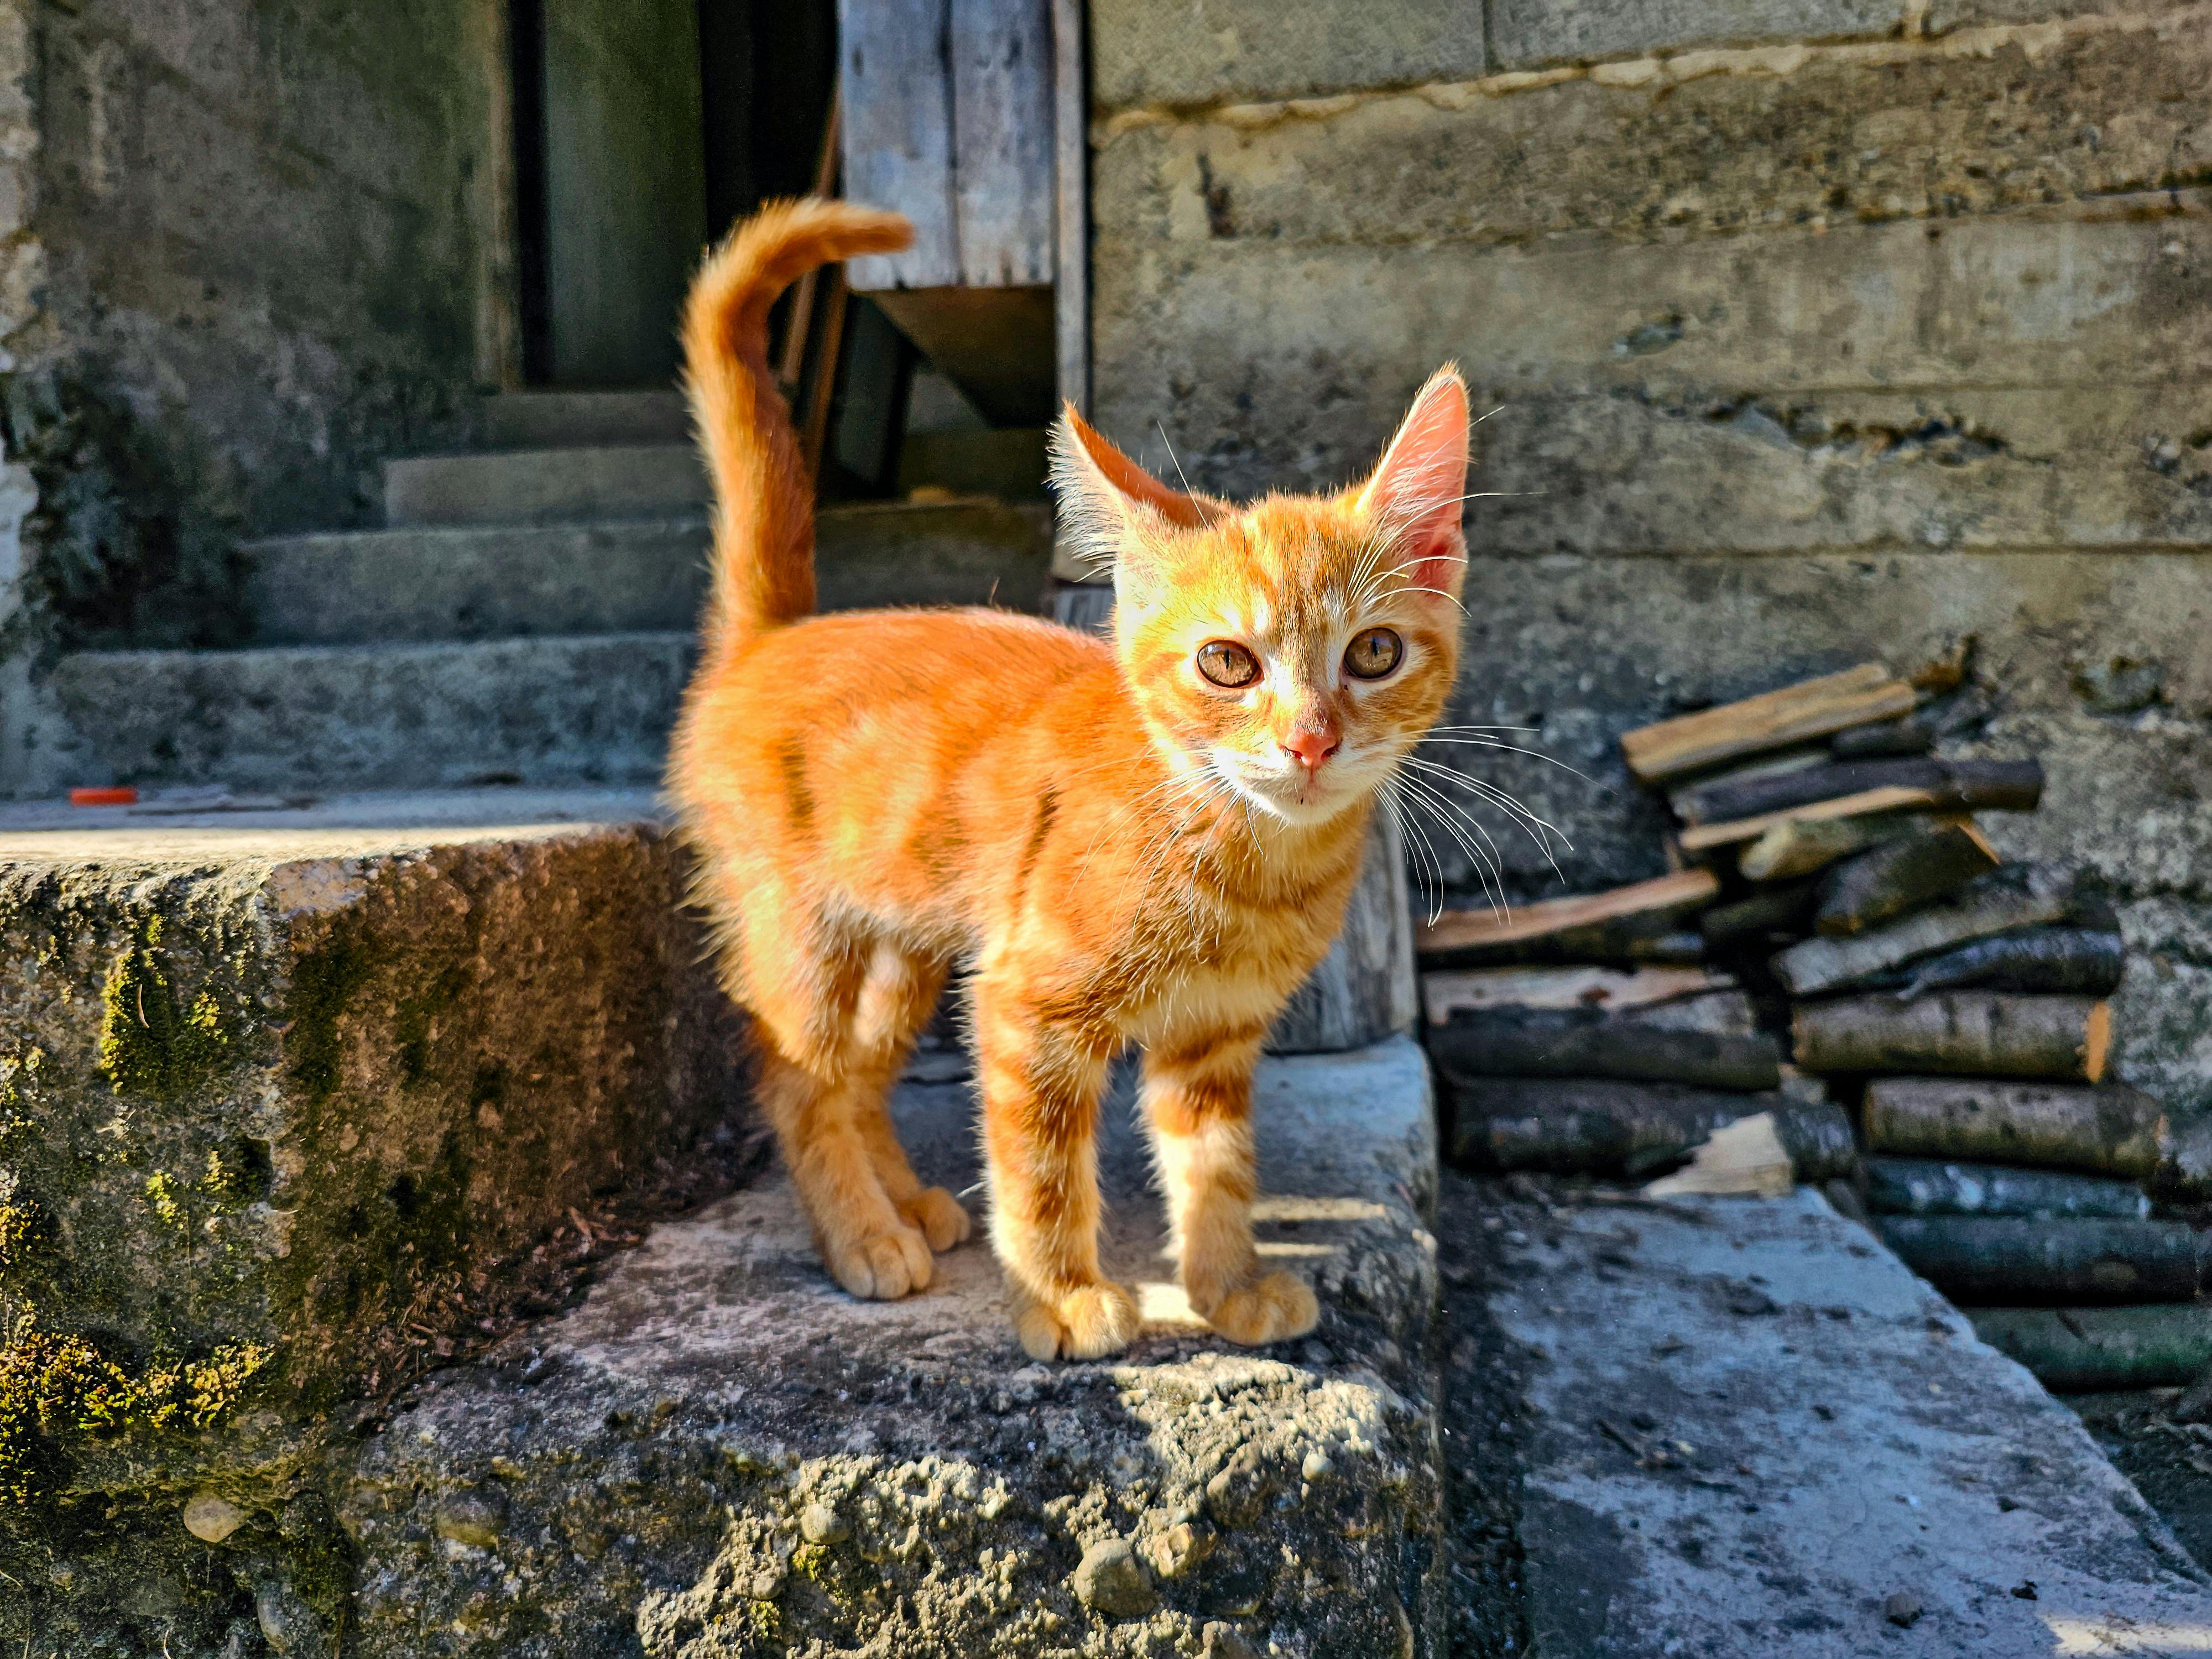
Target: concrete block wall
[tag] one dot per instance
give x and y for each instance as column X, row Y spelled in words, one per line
column 247, row 248
column 1816, row 330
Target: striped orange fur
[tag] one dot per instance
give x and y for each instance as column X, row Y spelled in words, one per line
column 1123, row 848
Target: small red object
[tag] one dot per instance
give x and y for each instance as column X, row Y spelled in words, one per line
column 124, row 796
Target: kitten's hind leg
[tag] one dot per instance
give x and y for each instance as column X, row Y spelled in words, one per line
column 1198, row 1106
column 817, row 1088
column 896, row 1001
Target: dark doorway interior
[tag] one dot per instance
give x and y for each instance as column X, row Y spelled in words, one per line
column 643, row 129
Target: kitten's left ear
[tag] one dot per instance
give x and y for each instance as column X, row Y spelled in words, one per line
column 1106, row 498
column 1414, row 496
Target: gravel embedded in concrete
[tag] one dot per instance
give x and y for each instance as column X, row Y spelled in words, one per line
column 720, row 1453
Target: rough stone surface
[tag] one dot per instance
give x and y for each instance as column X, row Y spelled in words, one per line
column 1710, row 142
column 1755, row 1431
column 274, row 1099
column 664, row 1456
column 622, row 575
column 1198, row 51
column 582, row 708
column 1532, row 31
column 270, row 254
column 1308, row 352
column 544, row 486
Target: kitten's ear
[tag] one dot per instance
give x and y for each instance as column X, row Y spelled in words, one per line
column 1104, row 495
column 1414, row 497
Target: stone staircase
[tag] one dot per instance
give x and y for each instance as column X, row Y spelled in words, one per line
column 526, row 616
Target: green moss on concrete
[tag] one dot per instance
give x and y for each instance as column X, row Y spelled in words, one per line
column 58, row 1390
column 147, row 1045
column 324, row 983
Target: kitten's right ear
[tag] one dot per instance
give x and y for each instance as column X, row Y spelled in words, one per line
column 1104, row 496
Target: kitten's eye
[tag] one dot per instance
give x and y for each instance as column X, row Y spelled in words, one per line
column 1227, row 665
column 1373, row 654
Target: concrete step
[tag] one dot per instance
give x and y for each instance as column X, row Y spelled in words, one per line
column 567, row 709
column 286, row 1092
column 612, row 576
column 719, row 1452
column 579, row 420
column 621, row 575
column 1755, row 1431
column 544, row 486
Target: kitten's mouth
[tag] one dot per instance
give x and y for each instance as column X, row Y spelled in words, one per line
column 1301, row 797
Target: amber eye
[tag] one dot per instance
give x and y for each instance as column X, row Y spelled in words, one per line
column 1373, row 654
column 1227, row 665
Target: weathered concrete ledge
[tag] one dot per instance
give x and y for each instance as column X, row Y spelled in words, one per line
column 277, row 1090
column 720, row 1454
column 1755, row 1433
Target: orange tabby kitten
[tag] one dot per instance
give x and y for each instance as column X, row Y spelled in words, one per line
column 1149, row 842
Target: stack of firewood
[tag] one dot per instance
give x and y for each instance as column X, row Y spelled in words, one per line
column 1838, row 935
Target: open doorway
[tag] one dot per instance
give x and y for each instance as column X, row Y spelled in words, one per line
column 643, row 129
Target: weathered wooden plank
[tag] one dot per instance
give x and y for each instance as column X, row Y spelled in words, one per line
column 1573, row 987
column 1890, row 799
column 1653, row 900
column 1002, row 141
column 896, row 86
column 1812, row 708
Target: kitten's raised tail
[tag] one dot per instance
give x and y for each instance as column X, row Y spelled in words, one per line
column 764, row 558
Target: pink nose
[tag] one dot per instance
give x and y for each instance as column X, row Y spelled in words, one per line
column 1310, row 749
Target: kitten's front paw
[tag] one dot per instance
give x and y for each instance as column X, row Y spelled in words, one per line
column 943, row 1222
column 880, row 1267
column 1270, row 1310
column 1085, row 1324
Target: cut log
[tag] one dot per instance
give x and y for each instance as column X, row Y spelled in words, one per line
column 1766, row 766
column 1711, row 1041
column 1600, row 1126
column 1872, row 803
column 2000, row 786
column 1833, row 964
column 1910, row 735
column 2007, row 1260
column 2083, row 961
column 1756, row 920
column 1812, row 708
column 1798, row 847
column 2114, row 1130
column 1978, row 1033
column 1888, row 880
column 1915, row 1186
column 2080, row 1350
column 1646, row 908
column 1579, row 986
